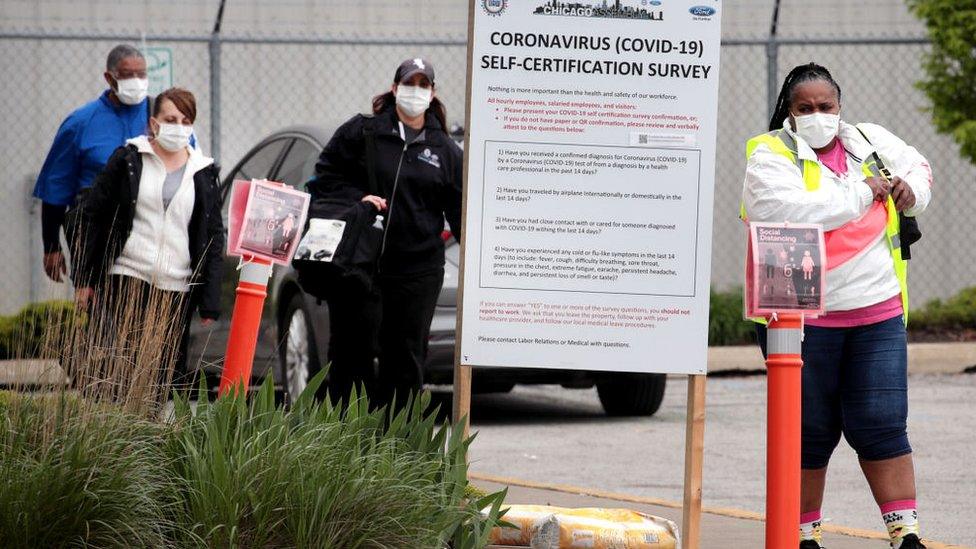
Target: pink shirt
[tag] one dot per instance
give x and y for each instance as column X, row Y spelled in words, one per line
column 836, row 159
column 872, row 314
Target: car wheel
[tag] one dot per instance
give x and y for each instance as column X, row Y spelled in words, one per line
column 631, row 394
column 297, row 352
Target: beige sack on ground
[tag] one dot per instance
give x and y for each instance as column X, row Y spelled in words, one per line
column 543, row 527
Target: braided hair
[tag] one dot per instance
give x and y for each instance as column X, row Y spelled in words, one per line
column 810, row 72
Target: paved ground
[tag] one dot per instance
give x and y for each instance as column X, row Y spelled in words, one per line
column 560, row 436
column 719, row 531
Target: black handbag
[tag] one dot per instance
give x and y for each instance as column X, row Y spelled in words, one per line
column 350, row 265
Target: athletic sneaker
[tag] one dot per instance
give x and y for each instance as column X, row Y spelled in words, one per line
column 910, row 541
column 810, row 544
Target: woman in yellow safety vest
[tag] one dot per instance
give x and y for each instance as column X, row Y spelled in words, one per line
column 855, row 180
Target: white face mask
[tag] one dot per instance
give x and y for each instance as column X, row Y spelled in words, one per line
column 413, row 100
column 173, row 137
column 132, row 91
column 817, row 129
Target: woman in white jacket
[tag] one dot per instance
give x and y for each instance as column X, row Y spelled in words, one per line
column 814, row 168
column 151, row 239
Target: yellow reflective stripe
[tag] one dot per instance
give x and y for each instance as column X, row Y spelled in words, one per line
column 811, row 175
column 894, row 246
column 870, row 168
column 772, row 141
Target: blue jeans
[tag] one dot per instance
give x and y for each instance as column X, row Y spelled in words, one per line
column 855, row 382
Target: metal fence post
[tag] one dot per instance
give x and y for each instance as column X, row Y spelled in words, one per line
column 33, row 259
column 215, row 85
column 772, row 76
column 215, row 97
column 772, row 63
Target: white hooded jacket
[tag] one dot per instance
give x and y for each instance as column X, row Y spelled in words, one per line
column 774, row 191
column 158, row 248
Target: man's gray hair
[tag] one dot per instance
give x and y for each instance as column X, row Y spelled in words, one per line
column 118, row 53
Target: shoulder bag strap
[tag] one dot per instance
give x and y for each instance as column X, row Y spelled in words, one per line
column 882, row 167
column 908, row 230
column 369, row 136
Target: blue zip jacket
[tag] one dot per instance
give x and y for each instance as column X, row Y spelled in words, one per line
column 84, row 143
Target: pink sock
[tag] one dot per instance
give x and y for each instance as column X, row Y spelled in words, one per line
column 900, row 505
column 810, row 526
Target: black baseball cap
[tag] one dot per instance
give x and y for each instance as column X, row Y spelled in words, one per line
column 414, row 66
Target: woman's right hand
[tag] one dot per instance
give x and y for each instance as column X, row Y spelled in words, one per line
column 54, row 266
column 377, row 202
column 880, row 187
column 84, row 298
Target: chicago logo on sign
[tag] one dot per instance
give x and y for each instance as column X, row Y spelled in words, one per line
column 703, row 11
column 616, row 9
column 494, row 7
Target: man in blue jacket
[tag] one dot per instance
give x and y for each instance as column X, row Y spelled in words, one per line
column 84, row 142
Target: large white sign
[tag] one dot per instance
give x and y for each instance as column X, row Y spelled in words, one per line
column 590, row 184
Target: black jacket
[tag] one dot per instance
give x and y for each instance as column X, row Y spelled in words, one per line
column 428, row 191
column 104, row 221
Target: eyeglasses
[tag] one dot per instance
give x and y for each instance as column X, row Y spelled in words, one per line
column 130, row 74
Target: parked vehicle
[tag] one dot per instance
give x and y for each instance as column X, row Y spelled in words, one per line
column 294, row 333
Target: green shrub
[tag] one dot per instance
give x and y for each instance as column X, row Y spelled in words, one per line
column 725, row 323
column 937, row 318
column 954, row 314
column 23, row 335
column 73, row 478
column 235, row 474
column 321, row 476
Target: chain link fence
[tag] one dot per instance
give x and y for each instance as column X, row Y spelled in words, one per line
column 281, row 71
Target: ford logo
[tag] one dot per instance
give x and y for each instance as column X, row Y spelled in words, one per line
column 702, row 11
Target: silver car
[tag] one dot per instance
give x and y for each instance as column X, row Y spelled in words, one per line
column 294, row 334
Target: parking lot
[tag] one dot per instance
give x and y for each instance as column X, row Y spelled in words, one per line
column 558, row 436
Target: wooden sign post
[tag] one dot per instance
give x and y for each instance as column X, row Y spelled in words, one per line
column 588, row 186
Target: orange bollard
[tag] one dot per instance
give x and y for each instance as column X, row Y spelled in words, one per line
column 784, row 364
column 245, row 324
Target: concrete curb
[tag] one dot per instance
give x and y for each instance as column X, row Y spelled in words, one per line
column 923, row 358
column 30, row 373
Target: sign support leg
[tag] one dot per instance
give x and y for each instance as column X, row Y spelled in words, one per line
column 462, row 398
column 694, row 457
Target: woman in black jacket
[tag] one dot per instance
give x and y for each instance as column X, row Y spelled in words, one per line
column 151, row 237
column 417, row 168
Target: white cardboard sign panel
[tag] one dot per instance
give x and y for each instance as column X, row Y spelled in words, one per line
column 591, row 159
